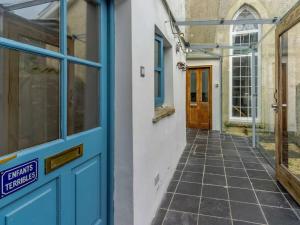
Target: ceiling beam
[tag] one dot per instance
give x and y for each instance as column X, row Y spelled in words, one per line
column 226, row 22
column 212, row 46
column 27, row 4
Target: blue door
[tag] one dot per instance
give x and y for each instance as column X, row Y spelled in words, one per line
column 53, row 112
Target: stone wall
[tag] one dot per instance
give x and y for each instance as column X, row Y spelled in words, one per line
column 298, row 109
column 217, row 9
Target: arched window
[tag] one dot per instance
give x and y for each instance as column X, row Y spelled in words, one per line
column 240, row 94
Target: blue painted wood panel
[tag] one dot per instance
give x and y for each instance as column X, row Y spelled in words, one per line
column 40, row 207
column 87, row 192
column 75, row 194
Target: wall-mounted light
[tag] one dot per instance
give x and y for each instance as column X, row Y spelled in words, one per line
column 181, row 66
column 142, row 71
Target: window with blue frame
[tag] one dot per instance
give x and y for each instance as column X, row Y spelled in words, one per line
column 50, row 69
column 159, row 71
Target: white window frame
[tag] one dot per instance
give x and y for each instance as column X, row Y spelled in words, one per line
column 258, row 54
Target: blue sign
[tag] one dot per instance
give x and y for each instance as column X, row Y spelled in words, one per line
column 18, row 177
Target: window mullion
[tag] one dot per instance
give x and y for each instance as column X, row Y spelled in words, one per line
column 64, row 70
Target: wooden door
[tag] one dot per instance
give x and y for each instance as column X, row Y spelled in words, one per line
column 288, row 103
column 198, row 96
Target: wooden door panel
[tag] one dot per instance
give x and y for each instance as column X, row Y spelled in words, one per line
column 199, row 105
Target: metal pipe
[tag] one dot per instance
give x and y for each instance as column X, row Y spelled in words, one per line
column 167, row 7
column 221, row 94
column 253, row 98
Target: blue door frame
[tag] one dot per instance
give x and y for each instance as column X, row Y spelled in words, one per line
column 106, row 130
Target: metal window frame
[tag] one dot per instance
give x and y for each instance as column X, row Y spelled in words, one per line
column 64, row 59
column 159, row 101
column 222, row 22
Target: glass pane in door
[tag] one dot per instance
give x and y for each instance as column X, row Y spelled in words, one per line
column 290, row 81
column 83, row 98
column 33, row 20
column 29, row 100
column 205, row 83
column 193, row 86
column 83, row 33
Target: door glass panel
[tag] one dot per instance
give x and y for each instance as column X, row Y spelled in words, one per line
column 157, row 84
column 33, row 20
column 205, row 87
column 193, row 86
column 290, row 80
column 29, row 100
column 83, row 98
column 83, row 29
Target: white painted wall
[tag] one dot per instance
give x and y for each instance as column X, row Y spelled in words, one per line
column 215, row 91
column 144, row 150
column 123, row 169
column 156, row 147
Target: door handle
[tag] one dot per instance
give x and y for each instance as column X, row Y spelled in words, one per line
column 275, row 107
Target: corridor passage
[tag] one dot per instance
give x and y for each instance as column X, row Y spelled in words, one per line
column 221, row 180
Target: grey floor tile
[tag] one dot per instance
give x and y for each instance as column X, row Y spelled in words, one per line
column 235, row 222
column 214, row 148
column 183, row 160
column 172, row 186
column 214, row 170
column 208, row 220
column 189, row 188
column 242, row 195
column 195, row 160
column 185, row 203
column 233, row 164
column 213, row 162
column 213, row 207
column 250, row 160
column 255, row 166
column 265, row 185
column 194, row 168
column 180, row 166
column 159, row 218
column 212, row 191
column 233, row 172
column 258, row 174
column 166, row 201
column 232, row 158
column 272, row 199
column 239, row 182
column 191, row 177
column 247, row 212
column 176, row 175
column 214, row 179
column 277, row 216
column 179, row 218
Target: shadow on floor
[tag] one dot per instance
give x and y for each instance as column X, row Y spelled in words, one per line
column 221, row 180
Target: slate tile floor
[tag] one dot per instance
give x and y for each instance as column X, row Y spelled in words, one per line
column 221, row 180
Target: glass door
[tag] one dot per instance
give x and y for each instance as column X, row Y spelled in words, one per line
column 288, row 106
column 53, row 112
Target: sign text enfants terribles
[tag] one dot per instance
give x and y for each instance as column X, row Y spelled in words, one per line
column 18, row 177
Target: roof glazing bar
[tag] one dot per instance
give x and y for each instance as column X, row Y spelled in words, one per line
column 226, row 22
column 27, row 4
column 212, row 46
